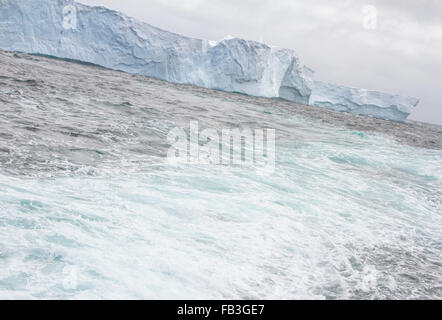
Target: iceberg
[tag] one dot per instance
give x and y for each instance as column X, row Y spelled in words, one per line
column 67, row 29
column 361, row 101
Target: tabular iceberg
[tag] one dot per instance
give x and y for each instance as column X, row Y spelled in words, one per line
column 113, row 40
column 361, row 101
column 66, row 29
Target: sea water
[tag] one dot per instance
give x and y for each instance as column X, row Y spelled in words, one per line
column 90, row 208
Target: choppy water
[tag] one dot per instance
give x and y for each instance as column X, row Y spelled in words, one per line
column 89, row 207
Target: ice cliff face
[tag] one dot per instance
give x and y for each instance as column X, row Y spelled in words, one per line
column 361, row 101
column 66, row 29
column 97, row 35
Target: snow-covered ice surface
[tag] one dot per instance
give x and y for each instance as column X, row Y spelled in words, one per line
column 89, row 208
column 66, row 29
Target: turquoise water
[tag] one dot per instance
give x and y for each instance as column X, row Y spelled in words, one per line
column 90, row 208
column 345, row 215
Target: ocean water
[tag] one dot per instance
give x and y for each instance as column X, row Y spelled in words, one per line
column 90, row 208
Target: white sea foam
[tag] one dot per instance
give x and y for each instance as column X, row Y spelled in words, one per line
column 336, row 220
column 90, row 208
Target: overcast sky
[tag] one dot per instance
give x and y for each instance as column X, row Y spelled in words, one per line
column 402, row 55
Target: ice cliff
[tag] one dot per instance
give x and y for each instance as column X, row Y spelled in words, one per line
column 361, row 101
column 66, row 29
